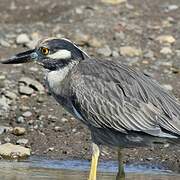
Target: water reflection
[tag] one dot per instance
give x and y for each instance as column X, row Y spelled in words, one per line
column 41, row 169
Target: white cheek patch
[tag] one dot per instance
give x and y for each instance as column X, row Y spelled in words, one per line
column 61, row 54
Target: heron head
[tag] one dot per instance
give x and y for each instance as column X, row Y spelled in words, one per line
column 51, row 53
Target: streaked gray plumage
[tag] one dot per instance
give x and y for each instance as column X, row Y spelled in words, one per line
column 112, row 98
column 121, row 107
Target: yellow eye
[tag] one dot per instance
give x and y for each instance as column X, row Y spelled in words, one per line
column 44, row 50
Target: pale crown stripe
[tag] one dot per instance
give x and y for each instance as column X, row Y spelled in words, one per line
column 60, row 54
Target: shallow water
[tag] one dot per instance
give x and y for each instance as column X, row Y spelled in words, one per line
column 42, row 169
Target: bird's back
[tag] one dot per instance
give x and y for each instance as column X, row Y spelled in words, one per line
column 111, row 96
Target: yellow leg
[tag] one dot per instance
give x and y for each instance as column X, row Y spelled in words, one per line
column 94, row 162
column 121, row 173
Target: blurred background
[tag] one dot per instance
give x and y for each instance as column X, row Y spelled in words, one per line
column 144, row 34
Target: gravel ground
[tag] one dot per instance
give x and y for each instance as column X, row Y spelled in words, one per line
column 141, row 33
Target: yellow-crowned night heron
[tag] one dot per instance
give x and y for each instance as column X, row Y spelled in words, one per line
column 120, row 106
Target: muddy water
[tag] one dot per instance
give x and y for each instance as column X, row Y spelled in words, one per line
column 42, row 169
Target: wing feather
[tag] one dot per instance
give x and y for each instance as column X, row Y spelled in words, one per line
column 111, row 95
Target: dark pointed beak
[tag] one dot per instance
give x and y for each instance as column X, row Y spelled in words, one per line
column 23, row 57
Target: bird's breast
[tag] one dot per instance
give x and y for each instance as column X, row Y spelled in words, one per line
column 55, row 80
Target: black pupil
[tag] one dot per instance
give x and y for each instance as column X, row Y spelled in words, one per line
column 44, row 50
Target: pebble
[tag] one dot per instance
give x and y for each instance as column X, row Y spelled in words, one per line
column 119, row 35
column 52, row 118
column 27, row 114
column 51, row 149
column 114, row 2
column 33, row 84
column 178, row 53
column 57, row 128
column 24, row 108
column 171, row 7
column 10, row 95
column 64, row 120
column 166, row 145
column 7, row 139
column 149, row 159
column 4, row 43
column 82, row 39
column 12, row 151
column 4, row 105
column 166, row 50
column 35, row 38
column 22, row 39
column 25, row 90
column 20, row 120
column 2, row 77
column 93, row 42
column 149, row 54
column 167, row 87
column 105, row 51
column 12, row 6
column 22, row 141
column 115, row 54
column 130, row 51
column 18, row 131
column 2, row 130
column 166, row 39
column 40, row 99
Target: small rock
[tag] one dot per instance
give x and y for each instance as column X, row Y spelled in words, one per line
column 74, row 130
column 40, row 99
column 82, row 39
column 119, row 35
column 12, row 151
column 22, row 141
column 30, row 122
column 166, row 145
column 149, row 159
column 167, row 87
column 35, row 85
column 20, row 119
column 149, row 54
column 52, row 118
column 4, row 104
column 106, row 51
column 166, row 39
column 166, row 50
column 2, row 77
column 22, row 39
column 57, row 128
column 34, row 69
column 51, row 149
column 178, row 53
column 7, row 139
column 130, row 51
column 12, row 6
column 79, row 10
column 27, row 114
column 114, row 2
column 115, row 54
column 93, row 42
column 18, row 131
column 25, row 90
column 4, row 43
column 24, row 108
column 10, row 95
column 172, row 7
column 35, row 38
column 64, row 120
column 2, row 130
